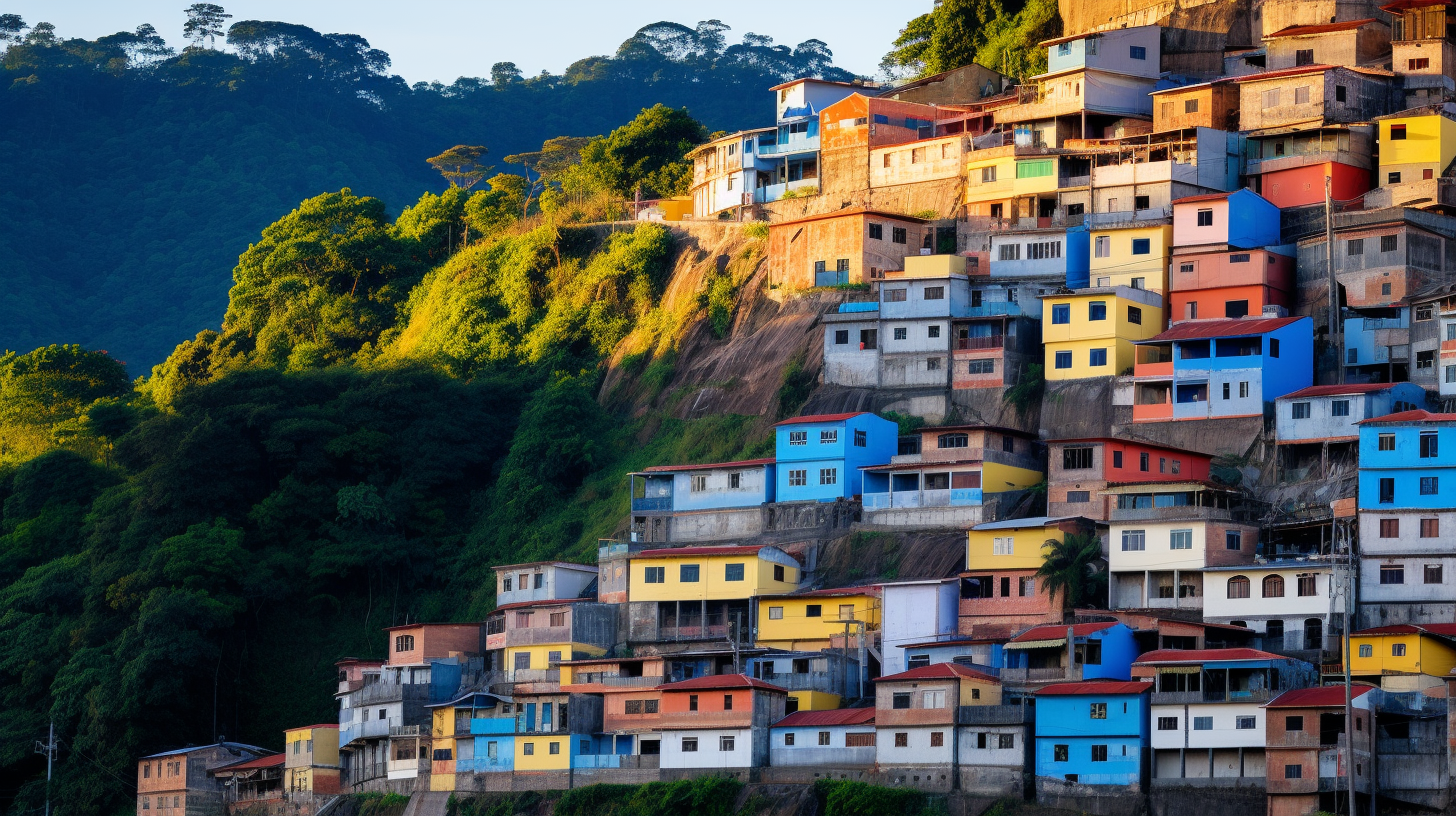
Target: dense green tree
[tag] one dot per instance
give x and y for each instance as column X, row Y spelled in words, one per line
column 1001, row 35
column 645, row 154
column 204, row 22
column 460, row 165
column 1073, row 567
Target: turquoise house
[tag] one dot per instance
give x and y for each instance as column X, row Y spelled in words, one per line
column 817, row 458
column 1092, row 733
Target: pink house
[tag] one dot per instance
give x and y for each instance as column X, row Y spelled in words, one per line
column 1241, row 219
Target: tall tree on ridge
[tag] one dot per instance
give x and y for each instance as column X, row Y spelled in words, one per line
column 204, row 22
column 460, row 165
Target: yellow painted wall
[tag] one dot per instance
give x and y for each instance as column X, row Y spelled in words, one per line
column 675, row 209
column 990, row 693
column 1081, row 335
column 1120, row 266
column 796, row 627
column 1429, row 144
column 710, row 586
column 1423, row 655
column 1003, row 187
column 815, row 700
column 325, row 743
column 442, row 782
column 541, row 653
column 998, row 478
column 1026, row 548
column 543, row 759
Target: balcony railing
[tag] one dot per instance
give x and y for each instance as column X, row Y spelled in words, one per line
column 617, row 761
column 1214, row 696
column 832, row 682
column 1178, row 513
column 409, row 730
column 960, row 497
column 994, row 341
column 653, row 504
column 707, row 719
column 1054, row 674
column 359, row 774
column 705, row 631
column 993, row 308
column 791, row 146
column 614, row 680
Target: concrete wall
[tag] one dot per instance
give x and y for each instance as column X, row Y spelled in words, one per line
column 716, row 525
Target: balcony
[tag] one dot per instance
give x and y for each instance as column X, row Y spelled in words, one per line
column 994, row 341
column 614, row 680
column 1128, row 218
column 775, row 192
column 961, row 497
column 1183, row 512
column 537, row 635
column 707, row 719
column 405, row 768
column 791, row 147
column 617, row 761
column 409, row 731
column 659, row 504
column 1421, row 194
column 1214, row 696
column 994, row 308
column 831, row 682
column 359, row 774
column 1054, row 674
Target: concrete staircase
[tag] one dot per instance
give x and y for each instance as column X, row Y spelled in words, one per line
column 427, row 803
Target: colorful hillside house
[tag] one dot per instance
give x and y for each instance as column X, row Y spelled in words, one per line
column 1049, row 654
column 1092, row 734
column 957, row 474
column 720, row 722
column 844, row 738
column 1090, row 333
column 706, row 502
column 705, row 593
column 818, row 457
column 1000, row 593
column 1079, row 470
column 1209, row 369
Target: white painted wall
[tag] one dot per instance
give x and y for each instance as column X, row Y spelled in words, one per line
column 1224, row 733
column 1158, row 554
column 918, row 751
column 709, row 754
column 916, row 612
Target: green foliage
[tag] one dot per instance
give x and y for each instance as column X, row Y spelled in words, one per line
column 851, row 798
column 502, row 804
column 55, row 395
column 375, row 803
column 999, row 35
column 1011, row 42
column 795, row 386
column 757, row 230
column 1026, row 393
column 1072, row 566
column 909, row 423
column 701, row 796
column 646, row 153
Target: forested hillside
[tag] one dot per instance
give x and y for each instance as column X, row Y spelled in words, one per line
column 136, row 174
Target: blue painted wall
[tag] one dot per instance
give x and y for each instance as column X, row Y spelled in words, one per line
column 1253, row 221
column 1292, row 370
column 1079, row 257
column 1119, row 651
column 501, row 731
column 1067, row 720
column 881, row 442
column 1406, row 467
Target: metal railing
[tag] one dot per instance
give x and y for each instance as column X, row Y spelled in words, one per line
column 618, row 681
column 994, row 341
column 1047, row 675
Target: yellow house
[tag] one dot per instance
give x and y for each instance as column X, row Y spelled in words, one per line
column 1017, row 544
column 545, row 744
column 1135, row 256
column 1415, row 147
column 1005, row 186
column 1404, row 649
column 546, row 656
column 711, row 574
column 1090, row 332
column 809, row 621
column 442, row 744
column 311, row 759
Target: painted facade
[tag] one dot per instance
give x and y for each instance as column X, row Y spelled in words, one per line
column 957, row 477
column 811, row 620
column 834, row 739
column 854, row 246
column 1208, row 369
column 1291, row 604
column 1091, row 333
column 819, row 457
column 1079, row 470
column 545, row 581
column 1092, row 734
column 915, row 612
column 1054, row 653
column 1000, row 593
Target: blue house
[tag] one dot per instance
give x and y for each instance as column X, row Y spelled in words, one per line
column 1043, row 654
column 1065, row 252
column 1093, row 733
column 1408, row 462
column 1242, row 219
column 819, row 457
column 1207, row 369
column 684, row 488
column 490, row 744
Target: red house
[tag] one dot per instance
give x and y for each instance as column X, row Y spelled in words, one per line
column 1079, row 469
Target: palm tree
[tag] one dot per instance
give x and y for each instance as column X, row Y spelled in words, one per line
column 1070, row 567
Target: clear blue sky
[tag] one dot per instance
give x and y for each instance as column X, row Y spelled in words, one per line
column 445, row 39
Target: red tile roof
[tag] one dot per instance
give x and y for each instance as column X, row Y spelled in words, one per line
column 1097, row 687
column 1053, row 632
column 937, row 671
column 1140, row 443
column 866, row 589
column 1339, row 390
column 1206, row 197
column 1284, row 72
column 1417, row 415
column 1318, row 697
column 719, row 681
column 1442, row 629
column 1223, row 327
column 698, row 552
column 673, row 468
column 1324, row 28
column 1204, row 655
column 842, row 716
column 270, row 761
column 820, row 418
column 425, row 626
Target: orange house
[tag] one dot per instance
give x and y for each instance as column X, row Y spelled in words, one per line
column 1229, row 283
column 850, row 127
column 414, row 644
column 177, row 783
column 857, row 245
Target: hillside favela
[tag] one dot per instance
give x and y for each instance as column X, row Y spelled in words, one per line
column 1047, row 421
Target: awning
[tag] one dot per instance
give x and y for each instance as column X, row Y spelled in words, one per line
column 1036, row 644
column 1179, row 669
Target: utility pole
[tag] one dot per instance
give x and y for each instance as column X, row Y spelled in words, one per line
column 1347, row 584
column 1337, row 332
column 49, row 749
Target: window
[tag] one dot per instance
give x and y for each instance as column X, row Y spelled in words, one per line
column 1097, row 310
column 557, row 619
column 1425, row 312
column 1202, row 723
column 688, row 573
column 1429, row 447
column 900, row 700
column 1340, row 408
column 1301, row 95
column 1180, row 540
column 1293, row 771
column 1010, row 252
column 1270, row 99
column 1430, row 528
column 733, row 572
column 864, row 740
column 1339, row 93
column 798, row 438
column 1097, row 358
column 937, row 739
column 1392, row 574
column 897, row 235
column 1238, row 587
column 1140, row 202
column 877, row 231
column 699, row 484
column 1142, row 246
column 1273, row 586
column 1304, row 56
column 813, row 610
column 895, row 295
column 654, row 575
column 775, row 613
column 932, row 363
column 1059, row 753
column 902, row 739
column 1135, row 315
column 819, row 267
column 798, row 478
column 1099, row 753
column 404, row 643
column 823, row 737
column 952, row 440
column 1134, row 540
column 1143, row 462
column 1397, row 650
column 1003, row 545
column 861, row 439
column 1078, row 496
column 1430, row 485
column 1294, row 722
column 1392, row 178
column 902, row 333
column 735, row 481
column 554, row 748
column 506, row 584
column 1233, row 540
column 1167, row 723
column 1388, row 243
column 988, row 174
column 828, row 476
column 690, row 745
column 1390, row 528
column 1299, row 410
column 932, row 332
column 1386, row 442
column 727, row 702
column 1244, row 390
column 692, row 702
column 1397, row 132
column 1433, row 574
column 1306, row 585
column 1137, row 52
column 529, row 749
column 1063, row 359
column 1061, row 313
column 1102, row 246
column 935, row 293
column 779, row 572
column 1098, row 711
column 1367, row 650
column 828, row 437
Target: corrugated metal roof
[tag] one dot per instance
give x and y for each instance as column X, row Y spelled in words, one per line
column 1338, row 390
column 1053, row 632
column 720, row 681
column 1204, row 655
column 841, row 716
column 940, row 671
column 1323, row 28
column 1036, row 644
column 820, row 418
column 699, row 552
column 233, row 746
column 1442, row 629
column 1318, row 697
column 741, row 464
column 1096, row 687
column 1418, row 415
column 270, row 761
column 1223, row 327
column 1034, row 521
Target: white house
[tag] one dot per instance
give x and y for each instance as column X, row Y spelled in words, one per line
column 1289, row 603
column 542, row 581
column 915, row 612
column 840, row 738
column 1330, row 413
